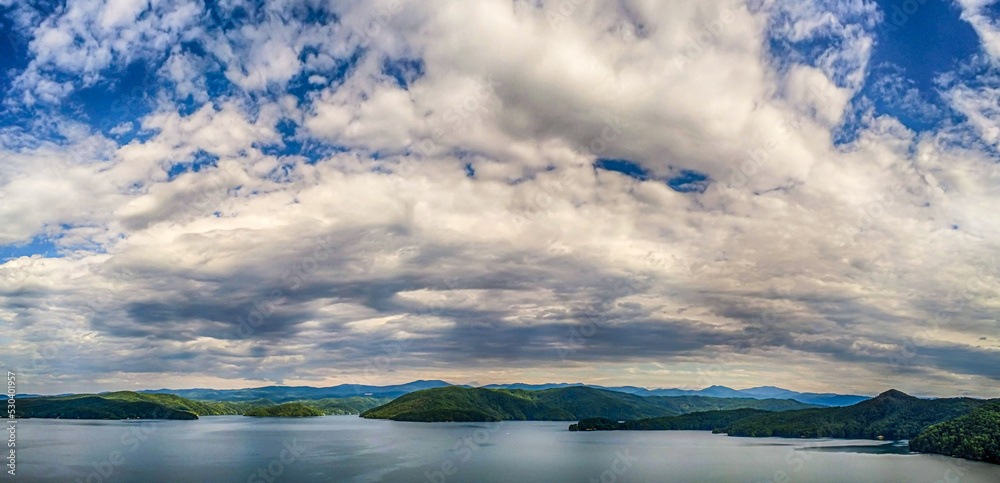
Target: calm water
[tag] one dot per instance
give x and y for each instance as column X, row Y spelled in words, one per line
column 348, row 448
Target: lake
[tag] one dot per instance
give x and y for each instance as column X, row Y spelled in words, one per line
column 348, row 448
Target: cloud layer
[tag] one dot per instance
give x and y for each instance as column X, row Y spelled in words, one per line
column 627, row 192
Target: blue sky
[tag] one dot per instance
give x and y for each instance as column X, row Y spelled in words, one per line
column 242, row 193
column 913, row 52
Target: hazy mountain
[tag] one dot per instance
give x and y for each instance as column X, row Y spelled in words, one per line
column 294, row 393
column 769, row 391
column 763, row 392
column 824, row 399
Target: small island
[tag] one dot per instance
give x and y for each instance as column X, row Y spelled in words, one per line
column 287, row 410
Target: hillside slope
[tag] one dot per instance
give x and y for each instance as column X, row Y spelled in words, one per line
column 93, row 407
column 975, row 436
column 332, row 406
column 201, row 408
column 892, row 415
column 465, row 404
column 559, row 404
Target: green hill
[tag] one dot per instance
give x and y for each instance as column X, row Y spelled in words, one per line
column 201, row 408
column 464, row 404
column 975, row 436
column 561, row 404
column 287, row 410
column 94, row 407
column 175, row 402
column 892, row 415
column 346, row 405
column 584, row 402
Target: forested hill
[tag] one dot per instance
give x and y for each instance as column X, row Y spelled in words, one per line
column 975, row 436
column 892, row 415
column 962, row 427
column 93, row 407
column 561, row 404
column 123, row 405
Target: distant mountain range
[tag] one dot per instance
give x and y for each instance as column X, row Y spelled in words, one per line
column 763, row 392
column 297, row 393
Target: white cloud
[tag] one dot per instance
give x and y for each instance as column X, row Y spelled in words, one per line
column 116, row 13
column 120, row 129
column 989, row 33
column 799, row 256
column 86, row 37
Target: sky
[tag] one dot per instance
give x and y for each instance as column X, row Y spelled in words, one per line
column 226, row 194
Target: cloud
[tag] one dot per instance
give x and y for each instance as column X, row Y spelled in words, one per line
column 973, row 13
column 85, row 39
column 309, row 191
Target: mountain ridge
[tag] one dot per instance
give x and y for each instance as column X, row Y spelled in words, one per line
column 460, row 404
column 761, row 392
column 891, row 415
column 282, row 394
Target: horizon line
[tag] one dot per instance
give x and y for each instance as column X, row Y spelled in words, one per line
column 473, row 386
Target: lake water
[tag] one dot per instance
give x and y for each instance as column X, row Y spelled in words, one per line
column 348, row 448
